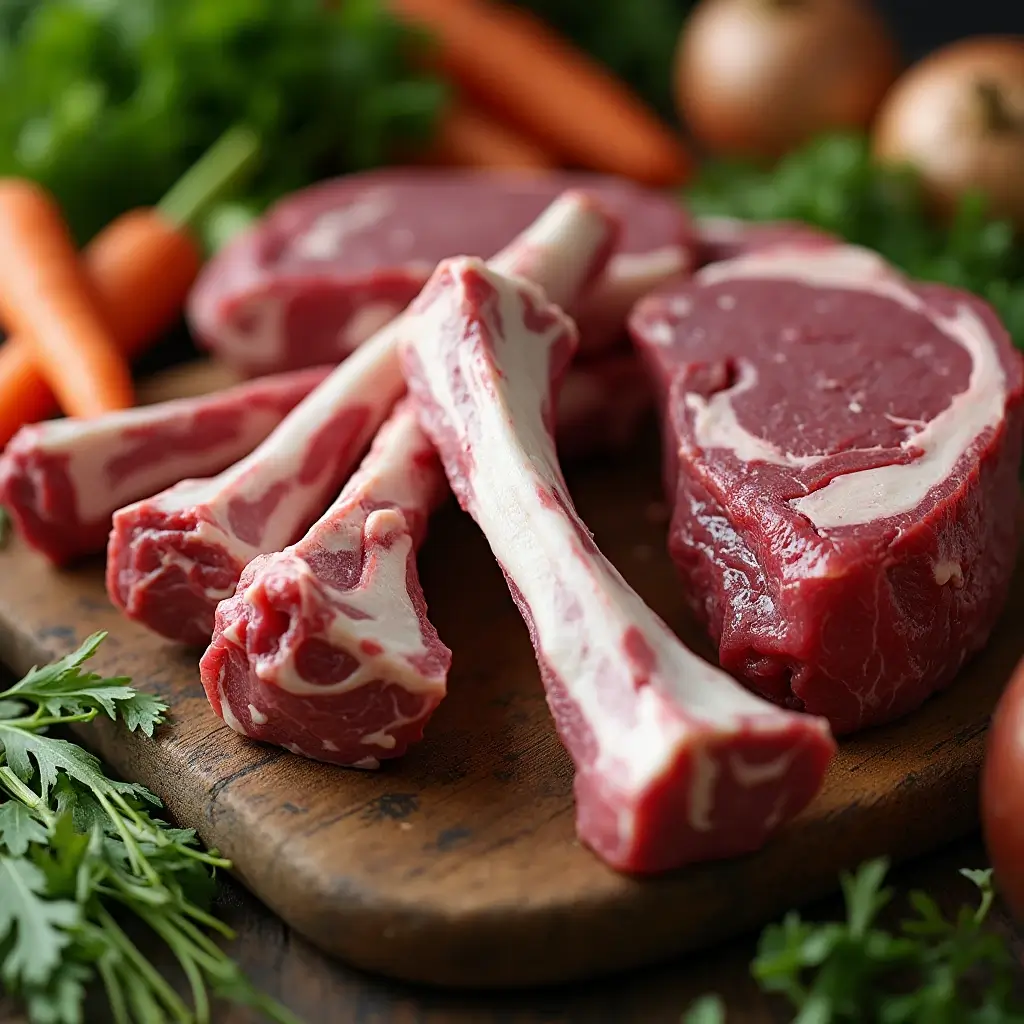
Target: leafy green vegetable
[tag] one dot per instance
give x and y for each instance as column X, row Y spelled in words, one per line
column 833, row 183
column 638, row 48
column 80, row 852
column 931, row 971
column 108, row 102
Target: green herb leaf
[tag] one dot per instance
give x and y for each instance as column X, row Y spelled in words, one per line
column 108, row 104
column 706, row 1010
column 79, row 846
column 933, row 970
column 39, row 925
column 19, row 828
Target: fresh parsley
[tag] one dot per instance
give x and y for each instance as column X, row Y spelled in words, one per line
column 930, row 970
column 108, row 103
column 833, row 183
column 82, row 854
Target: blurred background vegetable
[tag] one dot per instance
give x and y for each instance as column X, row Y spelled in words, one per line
column 142, row 266
column 755, row 78
column 511, row 63
column 958, row 118
column 47, row 299
column 1002, row 794
column 107, row 104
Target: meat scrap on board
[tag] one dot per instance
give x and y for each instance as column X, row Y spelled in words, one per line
column 841, row 451
column 62, row 480
column 326, row 648
column 675, row 761
column 174, row 556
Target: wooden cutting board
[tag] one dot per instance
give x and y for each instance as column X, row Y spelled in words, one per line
column 458, row 865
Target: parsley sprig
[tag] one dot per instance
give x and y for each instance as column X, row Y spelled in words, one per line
column 82, row 854
column 931, row 970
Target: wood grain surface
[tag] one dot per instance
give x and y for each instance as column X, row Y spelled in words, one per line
column 458, row 866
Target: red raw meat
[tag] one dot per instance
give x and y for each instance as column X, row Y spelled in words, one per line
column 841, row 450
column 326, row 648
column 329, row 266
column 675, row 761
column 172, row 557
column 62, row 480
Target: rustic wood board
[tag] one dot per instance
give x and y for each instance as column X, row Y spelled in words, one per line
column 458, row 865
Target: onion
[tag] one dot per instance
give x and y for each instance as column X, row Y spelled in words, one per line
column 756, row 78
column 958, row 118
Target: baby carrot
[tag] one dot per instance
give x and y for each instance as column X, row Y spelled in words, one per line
column 47, row 299
column 141, row 266
column 468, row 137
column 513, row 64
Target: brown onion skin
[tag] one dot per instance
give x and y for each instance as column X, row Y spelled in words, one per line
column 1002, row 794
column 755, row 78
column 937, row 119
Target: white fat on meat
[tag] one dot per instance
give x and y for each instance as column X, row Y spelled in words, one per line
column 866, row 495
column 325, row 239
column 489, row 406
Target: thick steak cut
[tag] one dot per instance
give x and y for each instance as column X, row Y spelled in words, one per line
column 62, row 480
column 841, row 449
column 674, row 760
column 330, row 265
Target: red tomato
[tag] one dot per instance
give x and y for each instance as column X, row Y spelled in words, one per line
column 1002, row 793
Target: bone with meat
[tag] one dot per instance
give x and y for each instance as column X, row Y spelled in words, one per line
column 172, row 557
column 675, row 762
column 62, row 480
column 326, row 648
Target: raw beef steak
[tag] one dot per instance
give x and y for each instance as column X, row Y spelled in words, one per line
column 329, row 266
column 842, row 448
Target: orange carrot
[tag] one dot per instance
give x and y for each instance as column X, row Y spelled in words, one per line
column 468, row 137
column 47, row 299
column 141, row 266
column 510, row 62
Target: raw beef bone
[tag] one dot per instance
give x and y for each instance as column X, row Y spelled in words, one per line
column 172, row 557
column 330, row 265
column 841, row 452
column 675, row 761
column 326, row 648
column 62, row 480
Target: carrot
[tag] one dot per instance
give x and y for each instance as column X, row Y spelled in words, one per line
column 468, row 137
column 510, row 62
column 141, row 266
column 46, row 298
